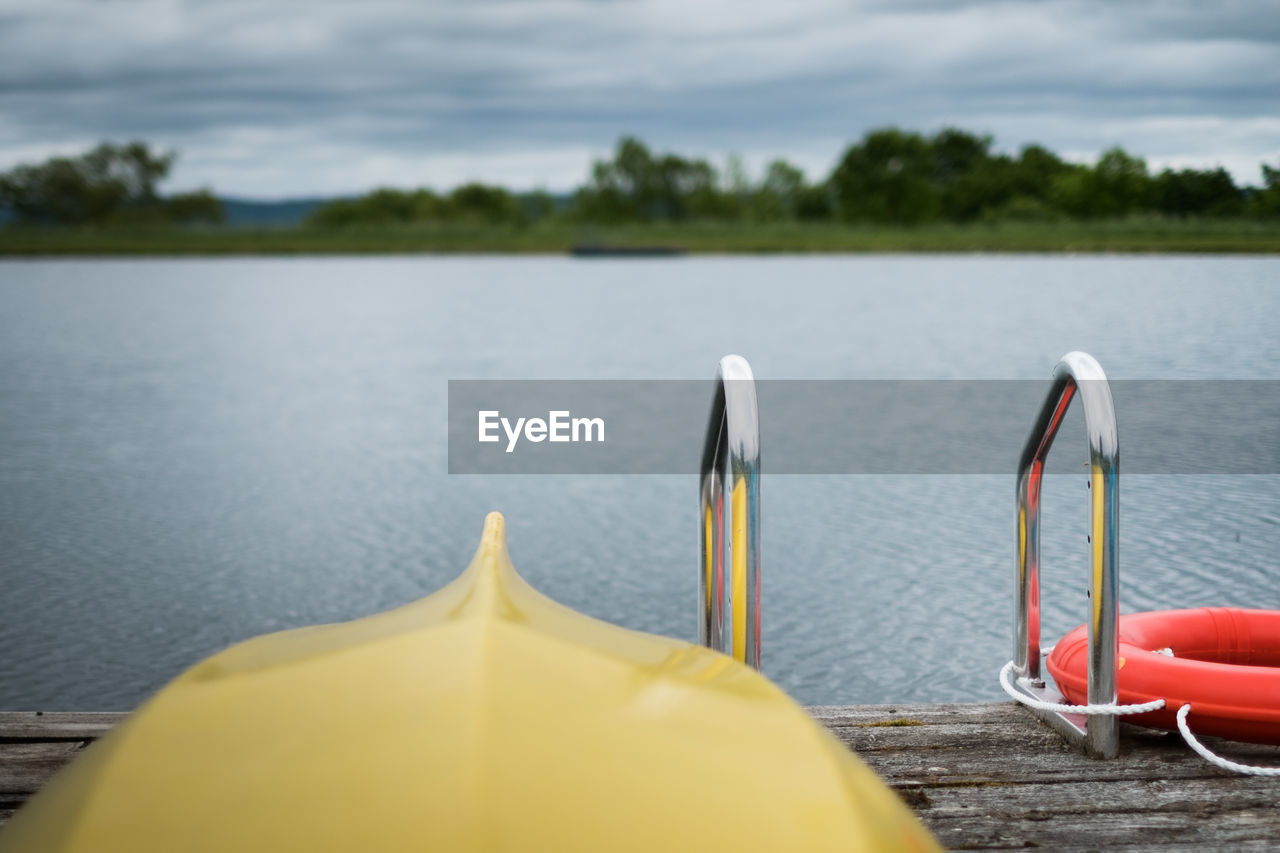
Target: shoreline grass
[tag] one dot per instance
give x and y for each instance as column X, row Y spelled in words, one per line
column 1124, row 236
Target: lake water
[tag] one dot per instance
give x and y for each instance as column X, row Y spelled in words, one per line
column 193, row 452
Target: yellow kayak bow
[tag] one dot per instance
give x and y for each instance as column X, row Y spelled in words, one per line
column 483, row 717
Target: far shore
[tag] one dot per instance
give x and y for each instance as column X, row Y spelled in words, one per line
column 1136, row 236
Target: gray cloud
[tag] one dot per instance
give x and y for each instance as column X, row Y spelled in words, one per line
column 294, row 98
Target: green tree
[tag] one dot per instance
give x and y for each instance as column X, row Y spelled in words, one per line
column 779, row 194
column 387, row 205
column 536, row 205
column 619, row 188
column 888, row 177
column 200, row 206
column 110, row 183
column 1116, row 186
column 692, row 191
column 484, row 204
column 970, row 180
column 981, row 192
column 736, row 192
column 1034, row 175
column 1122, row 183
column 1036, row 169
column 957, row 153
column 639, row 185
column 815, row 202
column 1191, row 192
column 383, row 206
column 333, row 214
column 1264, row 202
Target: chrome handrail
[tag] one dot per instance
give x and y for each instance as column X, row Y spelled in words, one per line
column 733, row 439
column 1077, row 373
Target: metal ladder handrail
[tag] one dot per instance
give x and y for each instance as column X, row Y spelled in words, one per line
column 733, row 437
column 1076, row 373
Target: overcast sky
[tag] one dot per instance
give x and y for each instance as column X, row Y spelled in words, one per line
column 278, row 99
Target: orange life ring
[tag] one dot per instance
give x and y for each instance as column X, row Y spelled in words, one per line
column 1225, row 663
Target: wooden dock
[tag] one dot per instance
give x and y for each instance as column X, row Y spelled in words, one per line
column 981, row 777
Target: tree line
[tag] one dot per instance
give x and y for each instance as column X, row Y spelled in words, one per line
column 109, row 185
column 890, row 176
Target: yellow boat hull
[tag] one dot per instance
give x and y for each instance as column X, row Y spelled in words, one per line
column 483, row 717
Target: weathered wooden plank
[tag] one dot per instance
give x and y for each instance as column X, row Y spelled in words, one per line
column 991, row 777
column 1201, row 796
column 1108, row 832
column 964, row 763
column 981, row 777
column 977, row 713
column 25, row 767
column 1175, row 812
column 1158, row 847
column 1003, row 743
column 56, row 725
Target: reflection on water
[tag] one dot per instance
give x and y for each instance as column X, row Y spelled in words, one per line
column 194, row 452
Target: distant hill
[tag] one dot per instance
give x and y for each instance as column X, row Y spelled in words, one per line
column 283, row 214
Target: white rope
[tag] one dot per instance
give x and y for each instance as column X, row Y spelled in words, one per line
column 1204, row 752
column 1111, row 709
